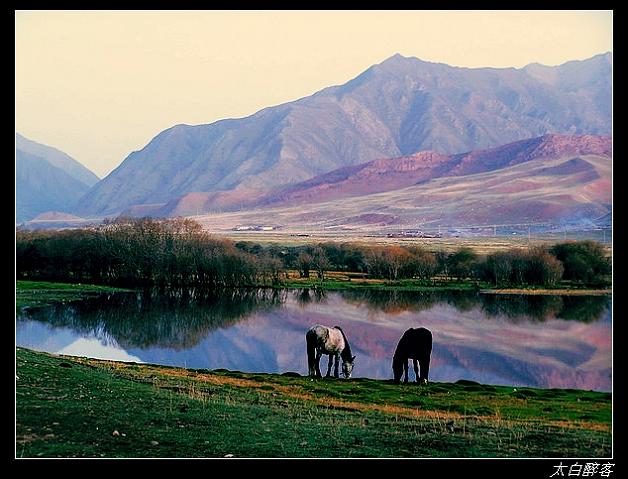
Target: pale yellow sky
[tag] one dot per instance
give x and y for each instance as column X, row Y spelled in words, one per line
column 100, row 84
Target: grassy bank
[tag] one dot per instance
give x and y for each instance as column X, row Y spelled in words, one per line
column 77, row 407
column 416, row 285
column 40, row 293
column 550, row 292
column 378, row 284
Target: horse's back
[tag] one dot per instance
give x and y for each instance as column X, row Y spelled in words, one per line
column 415, row 342
column 318, row 330
column 420, row 334
column 328, row 339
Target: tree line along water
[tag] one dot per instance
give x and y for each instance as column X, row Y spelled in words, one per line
column 176, row 252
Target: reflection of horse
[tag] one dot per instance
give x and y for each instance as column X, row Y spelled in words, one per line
column 415, row 344
column 323, row 340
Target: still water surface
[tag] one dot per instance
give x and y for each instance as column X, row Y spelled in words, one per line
column 539, row 341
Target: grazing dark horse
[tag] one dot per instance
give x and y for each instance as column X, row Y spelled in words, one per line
column 416, row 343
column 324, row 340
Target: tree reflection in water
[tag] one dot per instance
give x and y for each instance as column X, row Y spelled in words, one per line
column 181, row 318
column 176, row 319
column 307, row 296
column 512, row 306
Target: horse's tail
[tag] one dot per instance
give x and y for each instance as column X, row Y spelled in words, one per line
column 346, row 352
column 310, row 340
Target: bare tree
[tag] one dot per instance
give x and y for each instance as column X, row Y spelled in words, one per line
column 320, row 262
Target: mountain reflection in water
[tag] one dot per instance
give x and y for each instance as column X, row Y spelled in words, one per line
column 543, row 341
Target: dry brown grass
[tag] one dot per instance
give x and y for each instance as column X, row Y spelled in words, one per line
column 296, row 392
column 481, row 245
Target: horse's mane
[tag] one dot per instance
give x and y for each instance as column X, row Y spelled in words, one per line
column 346, row 352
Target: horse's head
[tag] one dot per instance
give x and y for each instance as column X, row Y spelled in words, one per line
column 347, row 368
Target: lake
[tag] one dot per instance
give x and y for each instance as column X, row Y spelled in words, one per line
column 517, row 340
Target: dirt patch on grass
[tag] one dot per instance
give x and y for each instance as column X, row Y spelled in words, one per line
column 180, row 373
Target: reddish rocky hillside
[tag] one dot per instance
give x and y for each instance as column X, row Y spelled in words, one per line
column 393, row 174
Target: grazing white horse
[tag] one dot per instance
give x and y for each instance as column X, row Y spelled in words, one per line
column 324, row 340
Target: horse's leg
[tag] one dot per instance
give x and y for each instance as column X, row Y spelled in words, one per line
column 337, row 356
column 416, row 369
column 331, row 358
column 405, row 370
column 311, row 360
column 425, row 368
column 311, row 353
column 317, row 364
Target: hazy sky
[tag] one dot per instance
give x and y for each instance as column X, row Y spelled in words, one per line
column 99, row 85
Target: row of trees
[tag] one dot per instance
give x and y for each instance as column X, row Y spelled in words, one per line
column 582, row 262
column 178, row 252
column 136, row 252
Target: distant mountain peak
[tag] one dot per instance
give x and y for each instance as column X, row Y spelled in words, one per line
column 395, row 108
column 597, row 56
column 56, row 158
column 46, row 178
column 397, row 57
column 399, row 61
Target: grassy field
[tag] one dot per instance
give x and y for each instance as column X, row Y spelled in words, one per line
column 343, row 281
column 336, row 283
column 480, row 244
column 40, row 293
column 77, row 407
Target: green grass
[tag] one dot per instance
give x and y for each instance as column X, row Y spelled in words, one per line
column 383, row 285
column 77, row 407
column 41, row 293
column 417, row 285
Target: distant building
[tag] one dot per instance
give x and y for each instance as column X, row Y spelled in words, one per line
column 255, row 227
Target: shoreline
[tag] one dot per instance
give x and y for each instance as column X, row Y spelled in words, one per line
column 550, row 292
column 36, row 292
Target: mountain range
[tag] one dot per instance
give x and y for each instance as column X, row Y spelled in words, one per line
column 558, row 179
column 47, row 179
column 392, row 174
column 394, row 109
column 549, row 178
